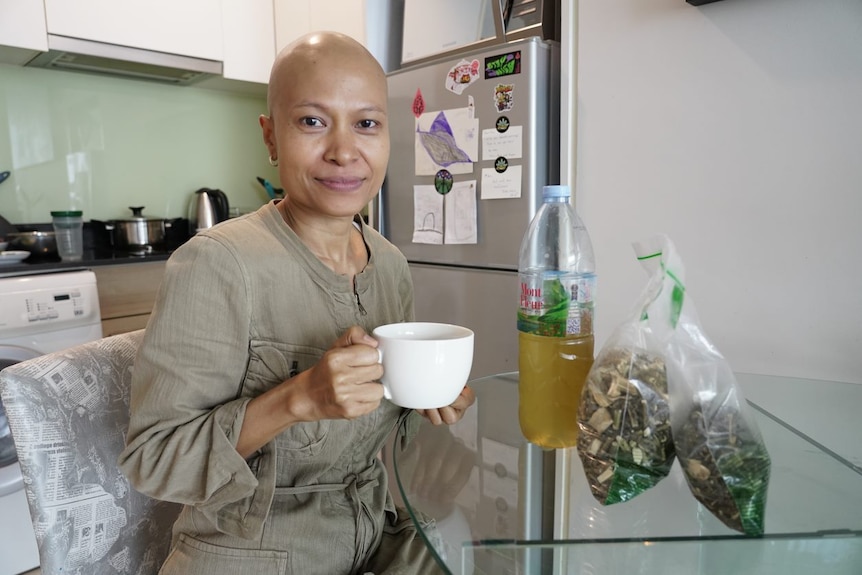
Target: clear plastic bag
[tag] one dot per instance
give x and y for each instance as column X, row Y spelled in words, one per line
column 624, row 438
column 715, row 435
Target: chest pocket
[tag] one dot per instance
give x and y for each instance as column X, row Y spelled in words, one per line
column 269, row 364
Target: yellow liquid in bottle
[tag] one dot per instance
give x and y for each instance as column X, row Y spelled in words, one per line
column 552, row 374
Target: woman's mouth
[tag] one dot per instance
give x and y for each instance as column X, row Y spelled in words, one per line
column 342, row 184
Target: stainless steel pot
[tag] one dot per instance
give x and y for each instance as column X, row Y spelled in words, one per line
column 137, row 234
column 39, row 244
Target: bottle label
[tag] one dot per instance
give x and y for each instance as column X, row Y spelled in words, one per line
column 556, row 304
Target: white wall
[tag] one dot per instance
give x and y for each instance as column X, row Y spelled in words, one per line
column 735, row 128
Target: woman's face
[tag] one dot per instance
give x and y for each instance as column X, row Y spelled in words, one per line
column 329, row 131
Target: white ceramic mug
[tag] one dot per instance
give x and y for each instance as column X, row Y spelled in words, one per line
column 425, row 365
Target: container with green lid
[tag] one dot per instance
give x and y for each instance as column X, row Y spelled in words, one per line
column 69, row 228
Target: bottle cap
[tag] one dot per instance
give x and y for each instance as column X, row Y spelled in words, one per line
column 556, row 192
column 70, row 214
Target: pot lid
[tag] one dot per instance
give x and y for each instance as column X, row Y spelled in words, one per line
column 137, row 216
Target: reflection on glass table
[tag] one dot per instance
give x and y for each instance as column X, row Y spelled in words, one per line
column 484, row 498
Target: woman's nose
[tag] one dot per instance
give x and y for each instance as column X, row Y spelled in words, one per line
column 342, row 147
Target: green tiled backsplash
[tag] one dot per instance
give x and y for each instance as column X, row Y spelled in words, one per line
column 102, row 144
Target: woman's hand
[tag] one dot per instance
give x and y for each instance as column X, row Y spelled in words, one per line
column 343, row 384
column 451, row 413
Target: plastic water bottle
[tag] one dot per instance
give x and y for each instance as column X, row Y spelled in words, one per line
column 555, row 320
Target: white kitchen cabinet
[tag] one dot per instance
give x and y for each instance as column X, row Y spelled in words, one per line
column 189, row 28
column 345, row 16
column 245, row 35
column 249, row 39
column 22, row 30
column 293, row 18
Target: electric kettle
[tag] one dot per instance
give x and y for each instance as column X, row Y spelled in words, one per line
column 207, row 208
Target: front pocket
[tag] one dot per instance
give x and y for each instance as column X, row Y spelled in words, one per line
column 270, row 364
column 195, row 557
column 302, row 440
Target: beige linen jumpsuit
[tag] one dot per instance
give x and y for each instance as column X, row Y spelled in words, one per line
column 244, row 306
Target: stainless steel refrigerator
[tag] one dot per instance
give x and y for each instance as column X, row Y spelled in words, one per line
column 474, row 139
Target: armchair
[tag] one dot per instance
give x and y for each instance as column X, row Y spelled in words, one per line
column 69, row 413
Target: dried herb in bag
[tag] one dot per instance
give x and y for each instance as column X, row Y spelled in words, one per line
column 715, row 435
column 726, row 466
column 625, row 441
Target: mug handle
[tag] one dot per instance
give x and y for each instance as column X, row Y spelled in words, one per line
column 386, row 393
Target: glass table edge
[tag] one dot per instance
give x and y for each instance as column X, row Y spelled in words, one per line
column 558, row 543
column 400, row 433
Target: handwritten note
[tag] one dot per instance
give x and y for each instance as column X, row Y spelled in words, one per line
column 501, row 185
column 508, row 144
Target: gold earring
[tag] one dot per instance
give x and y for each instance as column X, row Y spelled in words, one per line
column 273, row 162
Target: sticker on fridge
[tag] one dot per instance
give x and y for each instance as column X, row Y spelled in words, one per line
column 461, row 75
column 446, row 139
column 418, row 103
column 503, row 65
column 504, row 97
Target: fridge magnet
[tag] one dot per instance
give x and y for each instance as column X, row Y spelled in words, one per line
column 502, row 124
column 446, row 139
column 443, row 182
column 503, row 65
column 418, row 103
column 501, row 164
column 461, row 75
column 459, row 214
column 504, row 97
column 509, row 144
column 501, row 185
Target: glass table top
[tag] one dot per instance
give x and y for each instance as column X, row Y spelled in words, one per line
column 488, row 501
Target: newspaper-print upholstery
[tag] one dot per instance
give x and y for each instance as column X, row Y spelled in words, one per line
column 69, row 413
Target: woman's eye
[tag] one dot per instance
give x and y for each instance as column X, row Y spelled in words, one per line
column 311, row 122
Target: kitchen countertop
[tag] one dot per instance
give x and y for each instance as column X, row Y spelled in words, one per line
column 90, row 259
column 97, row 251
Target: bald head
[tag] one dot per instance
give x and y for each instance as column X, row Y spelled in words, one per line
column 329, row 52
column 328, row 128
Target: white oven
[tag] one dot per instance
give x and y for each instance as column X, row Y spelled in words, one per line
column 38, row 314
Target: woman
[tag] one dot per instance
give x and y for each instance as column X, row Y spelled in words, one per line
column 255, row 401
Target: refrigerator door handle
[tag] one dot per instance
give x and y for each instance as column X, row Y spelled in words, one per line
column 375, row 212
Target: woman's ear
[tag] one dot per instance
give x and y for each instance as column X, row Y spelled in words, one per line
column 268, row 129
